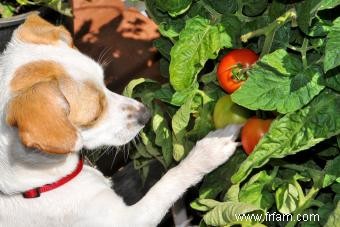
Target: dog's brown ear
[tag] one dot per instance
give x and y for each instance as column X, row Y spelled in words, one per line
column 38, row 31
column 40, row 114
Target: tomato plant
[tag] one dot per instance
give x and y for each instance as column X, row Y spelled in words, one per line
column 296, row 76
column 253, row 130
column 231, row 71
column 226, row 112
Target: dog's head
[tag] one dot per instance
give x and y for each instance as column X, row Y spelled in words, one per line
column 57, row 98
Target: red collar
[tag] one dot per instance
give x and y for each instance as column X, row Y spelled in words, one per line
column 35, row 192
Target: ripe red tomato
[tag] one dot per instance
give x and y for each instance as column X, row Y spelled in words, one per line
column 252, row 132
column 232, row 68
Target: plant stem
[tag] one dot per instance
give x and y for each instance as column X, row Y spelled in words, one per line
column 316, row 203
column 269, row 30
column 303, row 50
column 268, row 42
column 239, row 13
column 294, row 167
column 308, row 202
column 291, row 13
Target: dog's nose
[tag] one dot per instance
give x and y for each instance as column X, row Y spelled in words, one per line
column 143, row 115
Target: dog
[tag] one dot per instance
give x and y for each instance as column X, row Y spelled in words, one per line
column 54, row 103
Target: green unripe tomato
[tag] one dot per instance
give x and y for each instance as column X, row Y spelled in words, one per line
column 226, row 112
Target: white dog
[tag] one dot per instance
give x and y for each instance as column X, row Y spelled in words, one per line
column 53, row 102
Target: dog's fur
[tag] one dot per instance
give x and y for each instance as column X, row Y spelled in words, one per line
column 53, row 103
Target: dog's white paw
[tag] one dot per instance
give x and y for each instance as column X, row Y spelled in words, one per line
column 215, row 149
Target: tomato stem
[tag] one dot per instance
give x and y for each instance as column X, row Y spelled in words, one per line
column 304, row 49
column 269, row 30
column 268, row 42
column 239, row 13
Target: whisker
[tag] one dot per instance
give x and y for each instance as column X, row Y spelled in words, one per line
column 114, row 159
column 100, row 55
column 102, row 154
column 103, row 54
column 106, row 62
column 128, row 151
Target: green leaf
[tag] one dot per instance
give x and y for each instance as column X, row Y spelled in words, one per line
column 312, row 221
column 173, row 7
column 60, row 6
column 219, row 180
column 307, row 10
column 163, row 134
column 329, row 152
column 202, row 224
column 151, row 149
column 168, row 95
column 277, row 82
column 257, row 190
column 229, row 213
column 334, row 218
column 333, row 82
column 295, row 132
column 332, row 171
column 163, row 45
column 167, row 25
column 254, row 7
column 232, row 25
column 165, row 93
column 281, row 38
column 148, row 144
column 203, row 122
column 223, row 6
column 142, row 151
column 276, row 9
column 129, row 89
column 204, row 204
column 324, row 212
column 180, row 97
column 204, row 105
column 336, row 188
column 6, row 10
column 232, row 193
column 329, row 4
column 170, row 29
column 332, row 52
column 164, row 67
column 23, row 2
column 198, row 42
column 286, row 197
column 320, row 27
column 179, row 123
column 201, row 9
column 308, row 169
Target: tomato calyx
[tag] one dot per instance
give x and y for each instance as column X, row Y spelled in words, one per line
column 239, row 72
